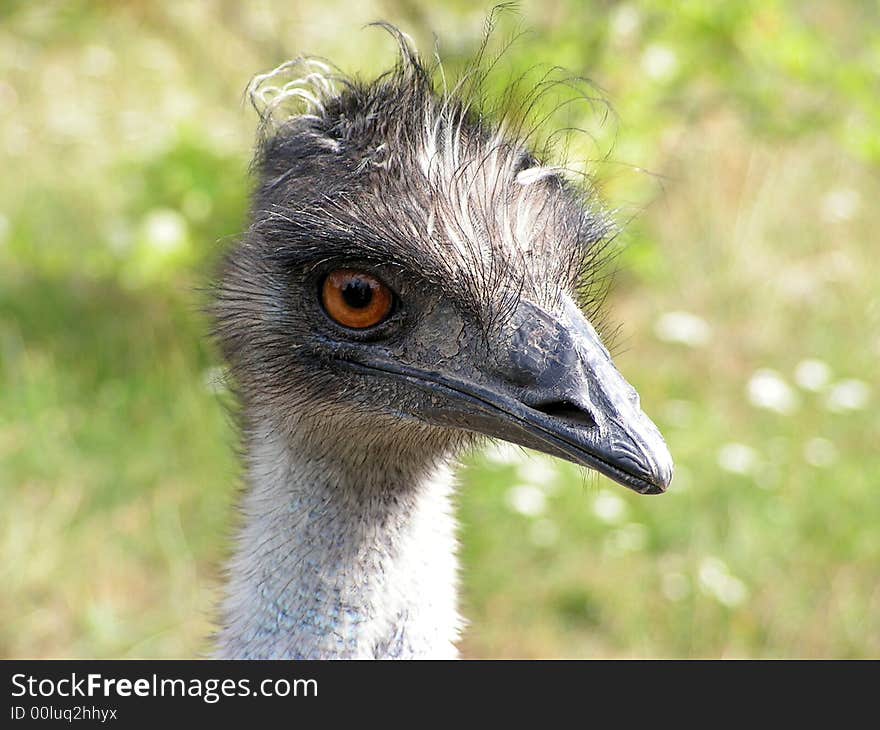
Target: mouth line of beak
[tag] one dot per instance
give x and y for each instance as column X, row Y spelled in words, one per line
column 493, row 402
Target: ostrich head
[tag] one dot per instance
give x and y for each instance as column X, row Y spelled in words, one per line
column 410, row 280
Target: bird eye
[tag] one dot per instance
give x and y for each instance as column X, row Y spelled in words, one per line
column 355, row 299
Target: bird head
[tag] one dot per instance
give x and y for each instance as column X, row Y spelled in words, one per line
column 412, row 274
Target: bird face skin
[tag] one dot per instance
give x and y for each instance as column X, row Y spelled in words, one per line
column 412, row 273
column 548, row 384
column 543, row 381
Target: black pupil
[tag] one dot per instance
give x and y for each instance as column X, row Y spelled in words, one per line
column 357, row 293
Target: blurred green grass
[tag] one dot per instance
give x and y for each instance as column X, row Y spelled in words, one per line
column 124, row 143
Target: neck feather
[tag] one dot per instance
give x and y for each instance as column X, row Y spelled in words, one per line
column 346, row 555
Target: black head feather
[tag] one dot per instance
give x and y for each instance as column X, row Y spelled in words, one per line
column 397, row 173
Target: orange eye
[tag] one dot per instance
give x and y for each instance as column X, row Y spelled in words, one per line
column 355, row 299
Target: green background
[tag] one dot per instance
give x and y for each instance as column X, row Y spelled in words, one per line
column 740, row 152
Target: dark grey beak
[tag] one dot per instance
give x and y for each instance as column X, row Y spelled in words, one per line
column 573, row 402
column 551, row 385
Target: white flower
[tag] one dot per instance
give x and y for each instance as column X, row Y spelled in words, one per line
column 214, row 379
column 538, row 471
column 527, row 500
column 767, row 389
column 812, row 374
column 659, row 62
column 683, row 328
column 165, row 230
column 738, row 458
column 717, row 581
column 609, row 507
column 848, row 395
column 624, row 21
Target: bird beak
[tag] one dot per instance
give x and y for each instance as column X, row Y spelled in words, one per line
column 572, row 402
column 550, row 385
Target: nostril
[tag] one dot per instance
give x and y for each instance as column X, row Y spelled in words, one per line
column 566, row 411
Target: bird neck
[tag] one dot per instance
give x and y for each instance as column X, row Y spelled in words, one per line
column 341, row 555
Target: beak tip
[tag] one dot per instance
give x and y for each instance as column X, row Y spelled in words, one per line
column 659, row 467
column 663, row 472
